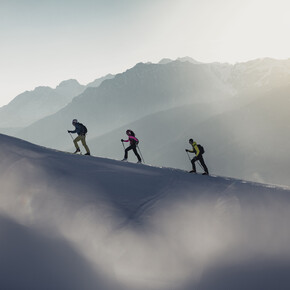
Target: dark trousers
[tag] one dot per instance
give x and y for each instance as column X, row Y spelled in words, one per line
column 200, row 159
column 132, row 147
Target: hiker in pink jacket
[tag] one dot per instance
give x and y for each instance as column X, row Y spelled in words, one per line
column 133, row 145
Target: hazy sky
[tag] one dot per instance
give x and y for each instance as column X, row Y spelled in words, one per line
column 46, row 42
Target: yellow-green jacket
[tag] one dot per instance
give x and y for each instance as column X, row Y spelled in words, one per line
column 195, row 149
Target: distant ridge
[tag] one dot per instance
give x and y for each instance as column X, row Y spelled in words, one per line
column 43, row 101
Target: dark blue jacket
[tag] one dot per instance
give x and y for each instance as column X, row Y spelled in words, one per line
column 78, row 129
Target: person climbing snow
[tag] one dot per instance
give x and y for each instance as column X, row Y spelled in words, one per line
column 133, row 145
column 81, row 130
column 198, row 150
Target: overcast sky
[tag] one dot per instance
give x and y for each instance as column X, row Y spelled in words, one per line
column 46, row 42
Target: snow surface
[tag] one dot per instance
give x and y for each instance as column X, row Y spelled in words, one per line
column 78, row 222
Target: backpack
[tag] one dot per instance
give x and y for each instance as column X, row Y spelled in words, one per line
column 134, row 140
column 84, row 129
column 201, row 149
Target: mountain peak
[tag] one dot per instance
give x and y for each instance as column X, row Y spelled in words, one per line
column 181, row 59
column 165, row 61
column 68, row 83
column 189, row 59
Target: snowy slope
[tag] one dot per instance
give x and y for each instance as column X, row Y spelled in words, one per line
column 76, row 222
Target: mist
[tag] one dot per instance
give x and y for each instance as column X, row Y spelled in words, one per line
column 140, row 227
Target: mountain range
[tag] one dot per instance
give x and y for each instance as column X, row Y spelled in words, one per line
column 238, row 112
column 32, row 106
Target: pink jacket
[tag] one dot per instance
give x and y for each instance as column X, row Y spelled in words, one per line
column 133, row 140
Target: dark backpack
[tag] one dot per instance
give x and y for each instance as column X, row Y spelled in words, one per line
column 201, row 149
column 84, row 129
column 134, row 141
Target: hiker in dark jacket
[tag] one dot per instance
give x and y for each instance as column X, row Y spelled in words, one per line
column 80, row 129
column 198, row 157
column 133, row 145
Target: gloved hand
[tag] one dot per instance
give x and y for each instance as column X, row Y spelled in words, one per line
column 186, row 150
column 122, row 140
column 68, row 131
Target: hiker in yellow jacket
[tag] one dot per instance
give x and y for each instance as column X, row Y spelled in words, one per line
column 198, row 150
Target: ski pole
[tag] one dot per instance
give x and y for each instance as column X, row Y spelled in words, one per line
column 199, row 164
column 197, row 160
column 123, row 145
column 73, row 140
column 188, row 156
column 71, row 136
column 141, row 154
